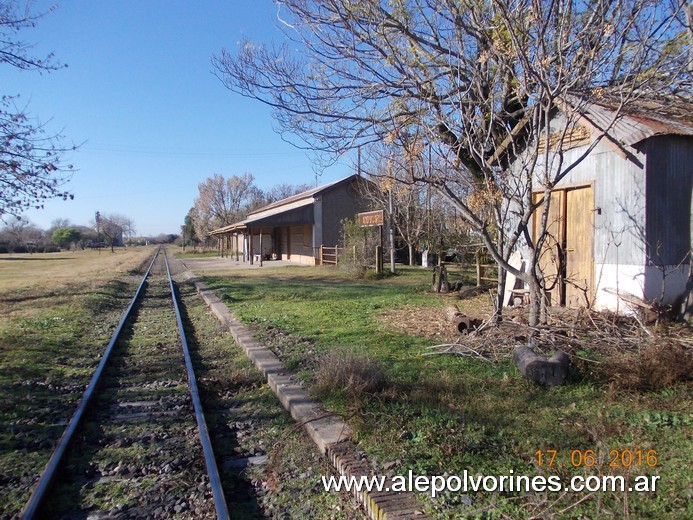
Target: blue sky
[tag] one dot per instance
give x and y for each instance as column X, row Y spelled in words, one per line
column 154, row 121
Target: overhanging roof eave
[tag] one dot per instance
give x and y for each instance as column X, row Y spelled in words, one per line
column 238, row 226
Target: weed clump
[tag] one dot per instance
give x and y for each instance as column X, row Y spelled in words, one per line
column 654, row 366
column 346, row 371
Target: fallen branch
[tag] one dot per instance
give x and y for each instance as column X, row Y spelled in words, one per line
column 466, row 351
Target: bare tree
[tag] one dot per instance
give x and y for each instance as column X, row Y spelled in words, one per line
column 60, row 223
column 479, row 82
column 128, row 226
column 88, row 236
column 392, row 189
column 283, row 191
column 114, row 227
column 32, row 167
column 21, row 235
column 407, row 203
column 222, row 201
column 202, row 225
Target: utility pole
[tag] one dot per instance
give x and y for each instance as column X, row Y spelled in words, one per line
column 97, row 217
column 358, row 161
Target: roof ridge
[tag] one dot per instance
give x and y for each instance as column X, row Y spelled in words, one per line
column 298, row 196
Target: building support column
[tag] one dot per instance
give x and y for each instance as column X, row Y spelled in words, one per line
column 261, row 250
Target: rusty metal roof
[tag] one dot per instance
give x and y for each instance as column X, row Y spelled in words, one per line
column 641, row 118
column 628, row 123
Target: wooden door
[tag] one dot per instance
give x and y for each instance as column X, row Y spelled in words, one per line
column 579, row 234
column 551, row 255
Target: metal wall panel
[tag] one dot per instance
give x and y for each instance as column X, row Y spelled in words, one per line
column 669, row 186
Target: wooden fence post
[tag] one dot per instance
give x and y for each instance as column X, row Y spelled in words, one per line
column 479, row 269
column 378, row 259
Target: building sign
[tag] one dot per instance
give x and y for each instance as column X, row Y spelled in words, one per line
column 371, row 218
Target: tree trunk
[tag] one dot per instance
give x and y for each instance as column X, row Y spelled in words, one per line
column 411, row 254
column 441, row 285
column 537, row 303
column 541, row 308
column 546, row 372
column 686, row 307
column 461, row 323
column 500, row 295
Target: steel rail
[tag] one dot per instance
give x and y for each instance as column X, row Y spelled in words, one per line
column 46, row 479
column 214, row 478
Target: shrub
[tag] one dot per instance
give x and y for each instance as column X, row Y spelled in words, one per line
column 359, row 246
column 63, row 237
column 346, row 371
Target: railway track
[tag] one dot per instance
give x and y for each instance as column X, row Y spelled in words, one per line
column 139, row 429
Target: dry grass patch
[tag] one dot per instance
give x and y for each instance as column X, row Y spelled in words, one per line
column 655, row 365
column 430, row 322
column 613, row 349
column 51, row 270
column 427, row 322
column 346, row 371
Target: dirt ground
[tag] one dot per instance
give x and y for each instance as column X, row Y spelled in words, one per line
column 430, row 322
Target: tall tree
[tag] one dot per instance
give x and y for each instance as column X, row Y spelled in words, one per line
column 32, row 167
column 188, row 235
column 65, row 236
column 114, row 227
column 222, row 201
column 283, row 191
column 406, row 204
column 478, row 80
column 19, row 234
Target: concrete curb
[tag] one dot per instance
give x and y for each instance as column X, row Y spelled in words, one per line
column 329, row 432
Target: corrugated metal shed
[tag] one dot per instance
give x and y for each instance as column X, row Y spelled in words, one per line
column 641, row 178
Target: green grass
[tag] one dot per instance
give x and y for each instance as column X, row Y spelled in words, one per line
column 442, row 414
column 196, row 254
column 435, row 414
